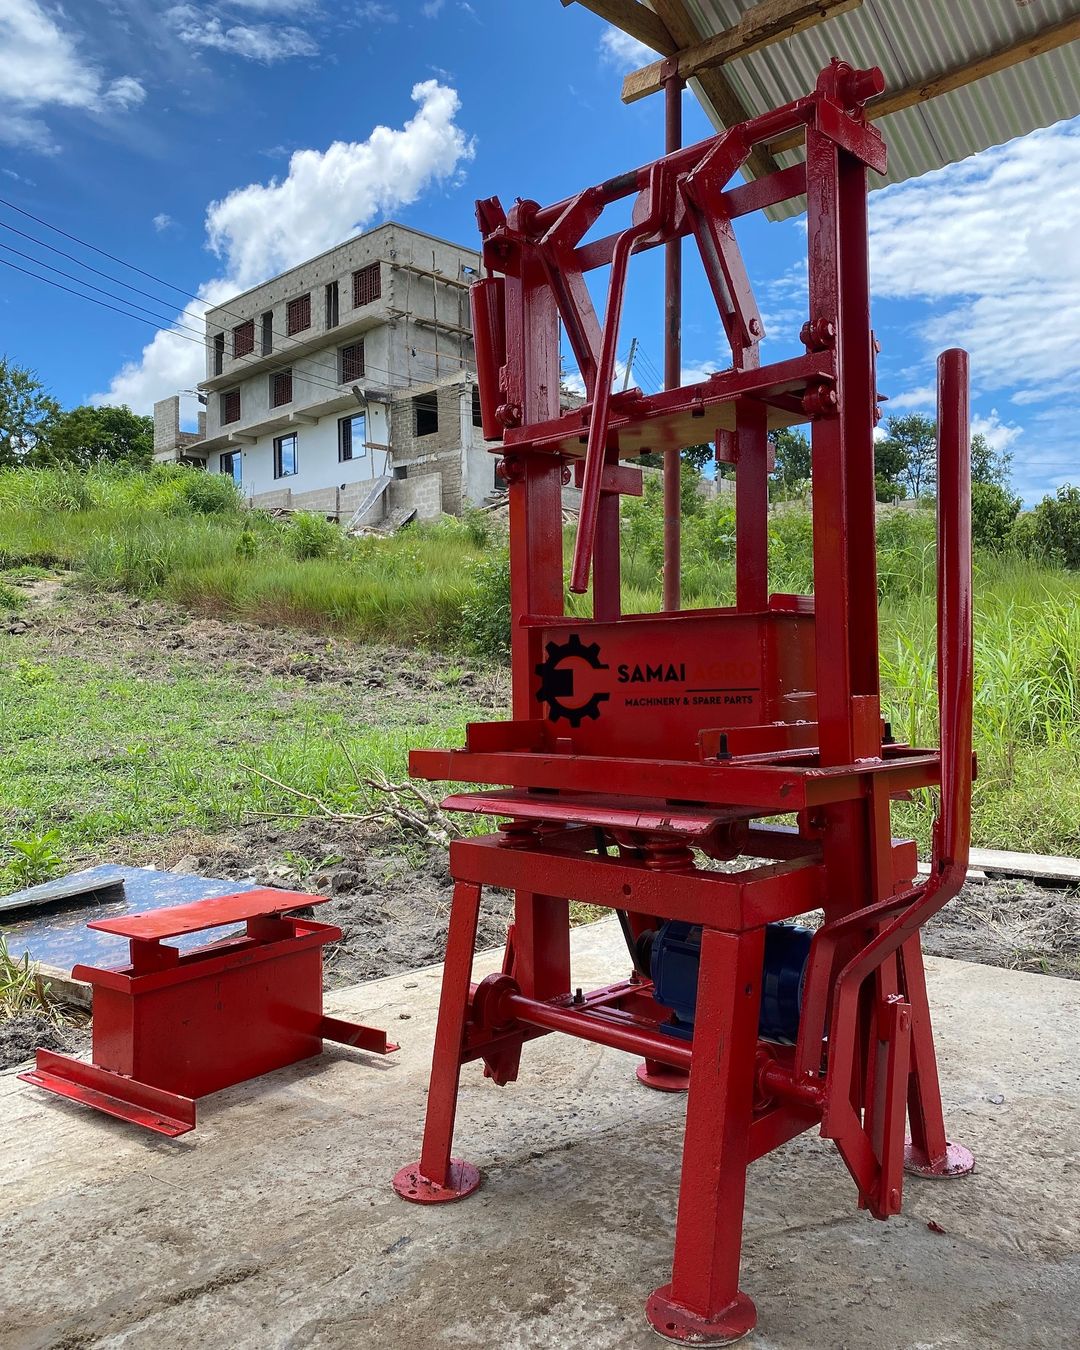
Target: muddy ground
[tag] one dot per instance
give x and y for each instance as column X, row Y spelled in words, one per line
column 389, row 893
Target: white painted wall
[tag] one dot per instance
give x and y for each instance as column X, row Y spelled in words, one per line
column 316, row 457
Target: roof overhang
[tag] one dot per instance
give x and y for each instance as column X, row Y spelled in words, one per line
column 960, row 77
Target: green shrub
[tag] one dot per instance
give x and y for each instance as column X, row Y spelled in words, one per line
column 485, row 615
column 208, row 494
column 993, row 511
column 308, row 535
column 10, row 598
column 1057, row 527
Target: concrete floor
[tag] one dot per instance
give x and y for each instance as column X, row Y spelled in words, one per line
column 273, row 1224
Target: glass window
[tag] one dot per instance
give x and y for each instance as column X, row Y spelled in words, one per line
column 285, row 456
column 352, row 438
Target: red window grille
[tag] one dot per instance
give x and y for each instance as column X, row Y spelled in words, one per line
column 352, row 363
column 298, row 314
column 280, row 388
column 366, row 285
column 230, row 406
column 243, row 339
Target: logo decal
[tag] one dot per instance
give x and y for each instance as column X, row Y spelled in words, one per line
column 557, row 680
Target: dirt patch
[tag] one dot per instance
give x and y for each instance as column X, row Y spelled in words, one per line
column 393, row 908
column 21, row 1035
column 1012, row 923
column 151, row 639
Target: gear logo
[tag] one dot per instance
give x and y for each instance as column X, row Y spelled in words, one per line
column 557, row 680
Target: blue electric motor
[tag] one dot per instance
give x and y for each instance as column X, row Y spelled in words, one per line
column 676, row 955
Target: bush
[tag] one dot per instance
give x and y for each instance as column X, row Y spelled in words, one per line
column 1057, row 527
column 208, row 494
column 993, row 510
column 308, row 535
column 485, row 615
column 10, row 598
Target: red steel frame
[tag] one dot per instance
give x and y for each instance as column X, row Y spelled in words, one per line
column 609, row 793
column 172, row 1026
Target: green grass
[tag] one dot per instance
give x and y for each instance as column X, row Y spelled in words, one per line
column 97, row 753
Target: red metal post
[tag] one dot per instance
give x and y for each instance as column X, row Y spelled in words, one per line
column 437, row 1176
column 673, row 90
column 703, row 1302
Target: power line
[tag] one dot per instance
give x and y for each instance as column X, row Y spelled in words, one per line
column 151, row 276
column 175, row 328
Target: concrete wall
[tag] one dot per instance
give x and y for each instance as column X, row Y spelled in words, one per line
column 423, row 494
column 456, row 451
column 399, row 344
column 318, row 467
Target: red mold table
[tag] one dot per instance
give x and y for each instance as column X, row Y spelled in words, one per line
column 172, row 1026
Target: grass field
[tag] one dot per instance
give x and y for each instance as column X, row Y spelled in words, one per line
column 100, row 748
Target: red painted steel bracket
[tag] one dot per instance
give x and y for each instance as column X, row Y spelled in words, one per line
column 173, row 1026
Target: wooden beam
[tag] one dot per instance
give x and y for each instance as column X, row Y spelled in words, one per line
column 715, row 85
column 635, row 19
column 767, row 22
column 1002, row 58
column 668, row 30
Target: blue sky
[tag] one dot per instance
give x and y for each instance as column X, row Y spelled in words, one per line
column 214, row 144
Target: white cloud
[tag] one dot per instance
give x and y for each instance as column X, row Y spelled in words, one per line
column 990, row 247
column 263, row 228
column 992, row 244
column 373, row 12
column 922, row 399
column 276, row 6
column 43, row 67
column 125, row 93
column 998, row 435
column 431, row 9
column 627, row 53
column 162, row 221
column 254, row 42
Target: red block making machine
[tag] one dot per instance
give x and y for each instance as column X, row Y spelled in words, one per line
column 644, row 748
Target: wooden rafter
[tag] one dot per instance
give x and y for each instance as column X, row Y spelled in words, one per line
column 1003, row 58
column 767, row 22
column 634, row 19
column 668, row 28
column 715, row 85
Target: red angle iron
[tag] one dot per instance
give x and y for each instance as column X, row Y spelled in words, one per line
column 172, row 1026
column 643, row 746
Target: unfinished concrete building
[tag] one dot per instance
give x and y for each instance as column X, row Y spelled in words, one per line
column 345, row 385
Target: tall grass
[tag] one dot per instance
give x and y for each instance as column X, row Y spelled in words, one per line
column 183, row 535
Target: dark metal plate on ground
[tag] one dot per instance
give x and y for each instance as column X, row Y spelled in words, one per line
column 49, row 921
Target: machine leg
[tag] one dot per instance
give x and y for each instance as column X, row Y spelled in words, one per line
column 928, row 1152
column 702, row 1305
column 662, row 1077
column 437, row 1177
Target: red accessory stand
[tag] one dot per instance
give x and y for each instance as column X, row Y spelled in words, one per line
column 173, row 1026
column 644, row 746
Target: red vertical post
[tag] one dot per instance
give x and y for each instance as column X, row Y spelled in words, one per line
column 673, row 87
column 703, row 1302
column 751, row 505
column 437, row 1177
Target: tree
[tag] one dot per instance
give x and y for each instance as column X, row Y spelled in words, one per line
column 106, row 435
column 1057, row 527
column 993, row 510
column 988, row 465
column 908, row 454
column 27, row 413
column 791, row 451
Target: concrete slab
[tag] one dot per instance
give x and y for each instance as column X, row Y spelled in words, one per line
column 274, row 1225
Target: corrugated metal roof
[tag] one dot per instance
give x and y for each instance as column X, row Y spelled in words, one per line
column 914, row 41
